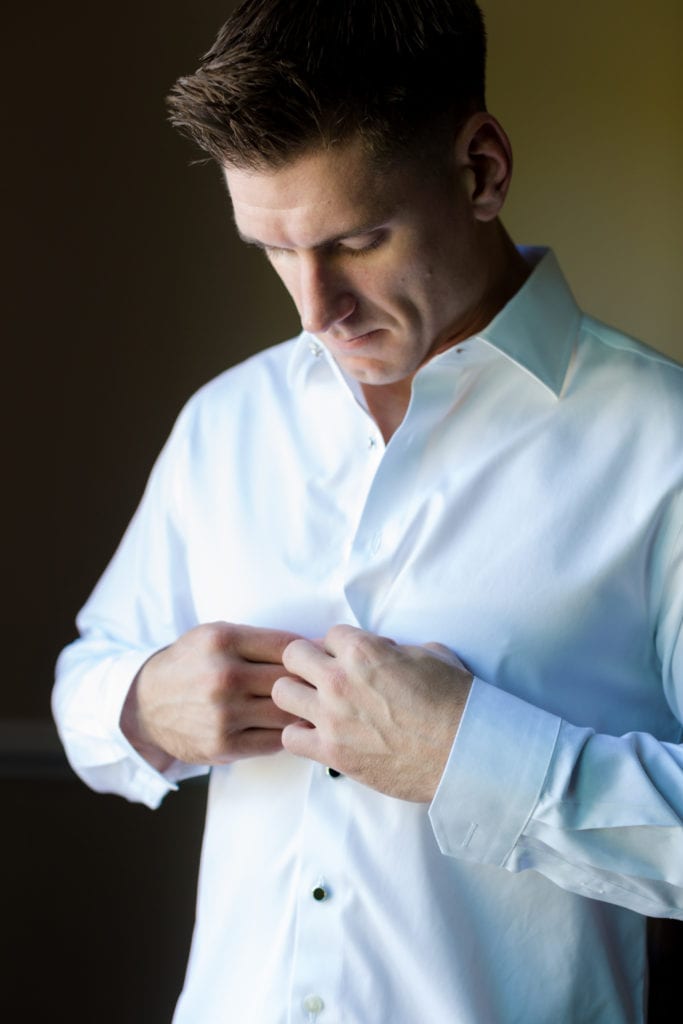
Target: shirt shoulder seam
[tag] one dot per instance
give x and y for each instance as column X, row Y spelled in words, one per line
column 612, row 337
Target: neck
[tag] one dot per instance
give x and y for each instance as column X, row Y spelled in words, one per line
column 507, row 272
column 388, row 404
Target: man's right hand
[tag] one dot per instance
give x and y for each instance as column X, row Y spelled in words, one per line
column 206, row 698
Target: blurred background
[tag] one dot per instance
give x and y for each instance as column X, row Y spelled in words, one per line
column 125, row 289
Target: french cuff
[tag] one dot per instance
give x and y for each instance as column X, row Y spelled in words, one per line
column 108, row 762
column 147, row 784
column 493, row 777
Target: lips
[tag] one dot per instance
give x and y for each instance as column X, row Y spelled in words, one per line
column 357, row 339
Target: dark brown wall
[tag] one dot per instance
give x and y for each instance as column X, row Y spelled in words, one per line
column 97, row 903
column 125, row 291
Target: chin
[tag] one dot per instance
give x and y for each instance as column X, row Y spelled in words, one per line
column 394, row 381
column 373, row 375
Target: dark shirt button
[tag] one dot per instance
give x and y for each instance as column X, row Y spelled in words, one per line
column 333, row 773
column 319, row 893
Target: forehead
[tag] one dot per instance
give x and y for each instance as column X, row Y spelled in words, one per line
column 321, row 194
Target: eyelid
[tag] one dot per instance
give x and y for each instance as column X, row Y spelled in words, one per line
column 272, row 251
column 363, row 243
column 353, row 245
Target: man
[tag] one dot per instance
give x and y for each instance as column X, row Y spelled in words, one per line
column 446, row 777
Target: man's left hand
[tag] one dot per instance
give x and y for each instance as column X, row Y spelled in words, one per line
column 382, row 713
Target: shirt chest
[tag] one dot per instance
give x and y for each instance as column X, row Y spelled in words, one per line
column 491, row 534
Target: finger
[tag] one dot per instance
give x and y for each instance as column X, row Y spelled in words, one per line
column 339, row 636
column 306, row 659
column 302, row 741
column 251, row 743
column 257, row 680
column 264, row 713
column 297, row 698
column 355, row 652
column 343, row 639
column 253, row 643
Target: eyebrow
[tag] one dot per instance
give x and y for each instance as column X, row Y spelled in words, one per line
column 354, row 232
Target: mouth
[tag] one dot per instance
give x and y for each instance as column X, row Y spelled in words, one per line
column 358, row 340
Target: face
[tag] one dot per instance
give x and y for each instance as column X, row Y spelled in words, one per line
column 386, row 268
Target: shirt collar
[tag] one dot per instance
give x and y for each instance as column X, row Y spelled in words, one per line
column 536, row 329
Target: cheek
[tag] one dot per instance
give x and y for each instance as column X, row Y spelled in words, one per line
column 388, row 290
column 406, row 295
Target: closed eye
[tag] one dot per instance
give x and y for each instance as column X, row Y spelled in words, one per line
column 353, row 245
column 273, row 253
column 359, row 244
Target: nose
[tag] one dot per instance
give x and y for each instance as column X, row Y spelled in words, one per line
column 324, row 296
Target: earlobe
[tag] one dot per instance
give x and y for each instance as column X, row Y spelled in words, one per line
column 485, row 155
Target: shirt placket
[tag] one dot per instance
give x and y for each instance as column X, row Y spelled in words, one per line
column 325, row 889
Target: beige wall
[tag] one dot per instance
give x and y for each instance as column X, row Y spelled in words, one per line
column 591, row 93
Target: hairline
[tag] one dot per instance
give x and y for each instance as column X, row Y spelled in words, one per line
column 435, row 138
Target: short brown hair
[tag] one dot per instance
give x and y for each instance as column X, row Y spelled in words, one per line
column 286, row 75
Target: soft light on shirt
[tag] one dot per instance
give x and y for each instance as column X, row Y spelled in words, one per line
column 528, row 513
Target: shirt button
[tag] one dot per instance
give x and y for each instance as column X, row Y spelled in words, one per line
column 313, row 1005
column 320, row 893
column 315, row 349
column 333, row 773
column 372, row 442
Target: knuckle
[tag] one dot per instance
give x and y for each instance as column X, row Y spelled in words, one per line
column 219, row 681
column 438, row 648
column 445, row 654
column 225, row 717
column 340, row 633
column 337, row 683
column 214, row 637
column 361, row 648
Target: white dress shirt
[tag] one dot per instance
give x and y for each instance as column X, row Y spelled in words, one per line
column 528, row 513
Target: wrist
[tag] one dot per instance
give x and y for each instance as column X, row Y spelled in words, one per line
column 132, row 725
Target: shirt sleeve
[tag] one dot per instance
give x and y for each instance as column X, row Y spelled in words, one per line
column 599, row 815
column 141, row 604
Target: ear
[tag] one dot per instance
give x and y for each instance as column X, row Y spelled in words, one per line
column 484, row 154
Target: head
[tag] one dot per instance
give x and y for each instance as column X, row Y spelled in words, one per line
column 286, row 76
column 359, row 155
column 386, row 268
